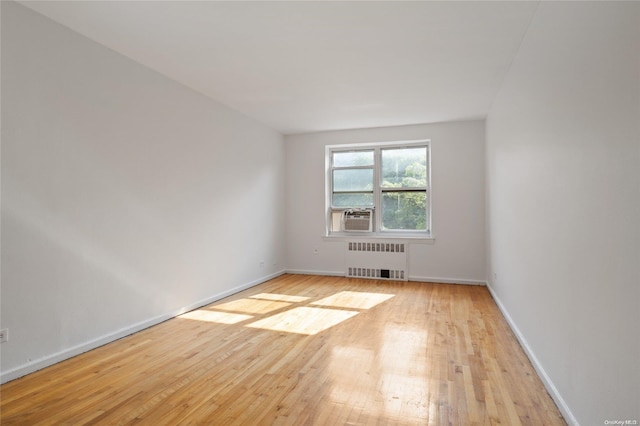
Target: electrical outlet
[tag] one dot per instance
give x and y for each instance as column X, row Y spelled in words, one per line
column 4, row 335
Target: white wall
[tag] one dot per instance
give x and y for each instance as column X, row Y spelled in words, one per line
column 125, row 196
column 563, row 180
column 458, row 201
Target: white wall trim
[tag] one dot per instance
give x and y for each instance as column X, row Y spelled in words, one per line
column 411, row 278
column 55, row 358
column 546, row 380
column 310, row 272
column 463, row 281
column 373, row 237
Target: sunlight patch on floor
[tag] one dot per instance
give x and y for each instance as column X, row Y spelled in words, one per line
column 251, row 306
column 280, row 297
column 301, row 320
column 304, row 320
column 353, row 300
column 217, row 317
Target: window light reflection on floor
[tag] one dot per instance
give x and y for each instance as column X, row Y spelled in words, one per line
column 304, row 320
column 251, row 306
column 280, row 297
column 217, row 317
column 345, row 390
column 353, row 300
column 307, row 320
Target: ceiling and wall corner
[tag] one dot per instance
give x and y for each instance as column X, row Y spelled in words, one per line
column 303, row 67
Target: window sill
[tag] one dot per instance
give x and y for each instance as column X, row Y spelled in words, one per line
column 415, row 239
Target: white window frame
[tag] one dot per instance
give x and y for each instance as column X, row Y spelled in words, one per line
column 377, row 190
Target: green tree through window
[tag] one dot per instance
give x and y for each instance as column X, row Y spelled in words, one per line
column 404, row 182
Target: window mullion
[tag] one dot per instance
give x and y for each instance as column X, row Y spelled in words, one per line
column 377, row 185
column 352, row 167
column 404, row 189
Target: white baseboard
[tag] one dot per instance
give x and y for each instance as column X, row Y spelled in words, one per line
column 411, row 278
column 546, row 380
column 322, row 273
column 55, row 358
column 447, row 280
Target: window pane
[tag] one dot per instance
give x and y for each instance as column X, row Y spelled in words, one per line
column 404, row 210
column 336, row 221
column 356, row 199
column 347, row 180
column 404, row 167
column 354, row 158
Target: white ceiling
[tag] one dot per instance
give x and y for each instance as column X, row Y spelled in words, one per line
column 313, row 66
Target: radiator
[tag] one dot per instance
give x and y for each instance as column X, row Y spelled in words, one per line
column 376, row 260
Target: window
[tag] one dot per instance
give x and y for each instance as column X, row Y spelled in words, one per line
column 390, row 180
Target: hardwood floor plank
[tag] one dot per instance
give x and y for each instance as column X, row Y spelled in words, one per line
column 363, row 352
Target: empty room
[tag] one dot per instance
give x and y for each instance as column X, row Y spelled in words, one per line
column 320, row 212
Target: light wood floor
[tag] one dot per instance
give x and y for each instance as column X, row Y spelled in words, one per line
column 301, row 350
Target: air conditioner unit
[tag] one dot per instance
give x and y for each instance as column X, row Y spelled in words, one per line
column 357, row 220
